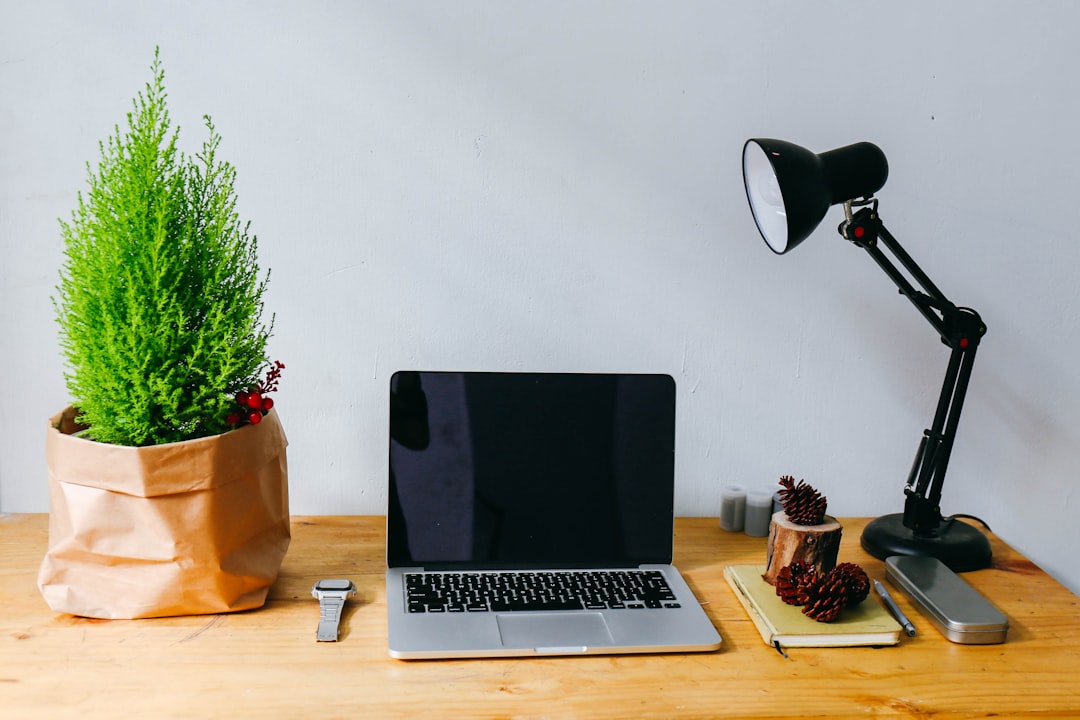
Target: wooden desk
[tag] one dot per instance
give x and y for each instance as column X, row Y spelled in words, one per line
column 266, row 663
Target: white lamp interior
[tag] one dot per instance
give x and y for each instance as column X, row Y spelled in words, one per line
column 766, row 201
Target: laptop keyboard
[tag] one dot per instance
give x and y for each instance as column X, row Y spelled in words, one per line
column 509, row 591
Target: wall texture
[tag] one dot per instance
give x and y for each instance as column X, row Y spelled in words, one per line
column 556, row 186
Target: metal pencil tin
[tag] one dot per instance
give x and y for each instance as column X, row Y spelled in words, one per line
column 955, row 608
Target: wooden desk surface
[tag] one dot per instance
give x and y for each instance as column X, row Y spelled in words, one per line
column 266, row 663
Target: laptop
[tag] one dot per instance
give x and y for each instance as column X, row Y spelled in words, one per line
column 533, row 514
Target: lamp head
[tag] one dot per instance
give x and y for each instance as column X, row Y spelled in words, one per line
column 790, row 188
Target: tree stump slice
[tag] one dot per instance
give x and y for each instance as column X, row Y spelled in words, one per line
column 816, row 545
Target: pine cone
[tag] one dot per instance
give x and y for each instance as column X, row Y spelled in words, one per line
column 853, row 578
column 846, row 585
column 802, row 503
column 793, row 583
column 828, row 599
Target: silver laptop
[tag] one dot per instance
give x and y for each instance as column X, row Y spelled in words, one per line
column 532, row 514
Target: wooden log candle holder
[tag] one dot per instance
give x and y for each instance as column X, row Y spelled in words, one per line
column 816, row 545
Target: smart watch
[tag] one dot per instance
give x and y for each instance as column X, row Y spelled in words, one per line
column 332, row 595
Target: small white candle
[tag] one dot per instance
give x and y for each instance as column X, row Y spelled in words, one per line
column 732, row 507
column 759, row 512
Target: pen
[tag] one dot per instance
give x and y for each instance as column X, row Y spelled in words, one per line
column 894, row 608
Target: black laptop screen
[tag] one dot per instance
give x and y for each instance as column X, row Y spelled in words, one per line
column 513, row 470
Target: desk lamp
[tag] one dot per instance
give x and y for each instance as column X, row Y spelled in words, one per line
column 790, row 189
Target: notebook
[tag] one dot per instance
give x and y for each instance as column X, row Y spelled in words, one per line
column 781, row 625
column 533, row 514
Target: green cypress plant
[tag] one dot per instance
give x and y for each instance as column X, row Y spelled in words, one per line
column 160, row 296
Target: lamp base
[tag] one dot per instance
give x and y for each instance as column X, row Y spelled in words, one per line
column 959, row 545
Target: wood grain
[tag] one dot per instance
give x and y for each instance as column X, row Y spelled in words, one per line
column 815, row 545
column 266, row 663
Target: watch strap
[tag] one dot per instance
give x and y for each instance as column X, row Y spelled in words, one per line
column 330, row 604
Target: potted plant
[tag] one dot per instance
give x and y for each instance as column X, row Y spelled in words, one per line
column 168, row 476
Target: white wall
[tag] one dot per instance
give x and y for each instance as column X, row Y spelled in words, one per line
column 556, row 186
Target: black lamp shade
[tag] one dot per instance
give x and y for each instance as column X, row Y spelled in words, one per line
column 790, row 188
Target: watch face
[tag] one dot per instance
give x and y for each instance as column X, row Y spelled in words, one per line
column 334, row 584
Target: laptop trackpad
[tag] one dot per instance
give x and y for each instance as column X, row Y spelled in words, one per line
column 563, row 631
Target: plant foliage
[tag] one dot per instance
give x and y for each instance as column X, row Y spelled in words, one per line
column 160, row 295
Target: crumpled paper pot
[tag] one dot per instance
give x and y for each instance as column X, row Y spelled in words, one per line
column 188, row 528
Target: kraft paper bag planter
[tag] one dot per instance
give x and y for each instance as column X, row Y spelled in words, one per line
column 187, row 528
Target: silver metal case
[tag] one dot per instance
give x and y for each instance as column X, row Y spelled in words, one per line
column 955, row 608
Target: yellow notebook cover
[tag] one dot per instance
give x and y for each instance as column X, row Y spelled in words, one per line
column 868, row 623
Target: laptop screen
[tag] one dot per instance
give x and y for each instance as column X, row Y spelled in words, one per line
column 530, row 470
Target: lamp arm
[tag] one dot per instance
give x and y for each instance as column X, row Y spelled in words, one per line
column 864, row 229
column 961, row 329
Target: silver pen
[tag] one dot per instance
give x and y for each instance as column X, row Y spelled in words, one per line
column 894, row 608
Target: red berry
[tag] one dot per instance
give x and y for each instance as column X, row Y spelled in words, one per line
column 268, row 403
column 233, row 419
column 254, row 400
column 241, row 398
column 255, row 417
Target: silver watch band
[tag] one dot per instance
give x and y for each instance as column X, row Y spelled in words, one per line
column 332, row 595
column 330, row 604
